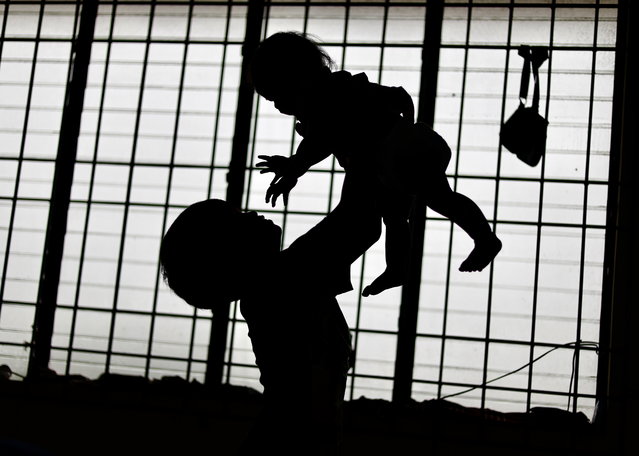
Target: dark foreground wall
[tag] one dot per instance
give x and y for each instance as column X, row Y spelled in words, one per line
column 128, row 415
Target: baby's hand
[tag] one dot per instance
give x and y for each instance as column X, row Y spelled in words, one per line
column 280, row 186
column 385, row 281
column 283, row 181
column 277, row 164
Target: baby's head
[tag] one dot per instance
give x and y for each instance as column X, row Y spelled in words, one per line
column 285, row 64
column 210, row 253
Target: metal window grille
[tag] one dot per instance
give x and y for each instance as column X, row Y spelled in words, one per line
column 159, row 114
column 35, row 52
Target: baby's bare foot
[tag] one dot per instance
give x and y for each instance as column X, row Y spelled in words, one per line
column 484, row 252
column 384, row 282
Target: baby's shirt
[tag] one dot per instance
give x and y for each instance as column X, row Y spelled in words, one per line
column 351, row 117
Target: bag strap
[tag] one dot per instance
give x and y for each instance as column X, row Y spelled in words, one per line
column 538, row 56
column 533, row 56
column 524, row 51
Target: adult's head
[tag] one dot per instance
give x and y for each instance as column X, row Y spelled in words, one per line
column 212, row 252
column 285, row 65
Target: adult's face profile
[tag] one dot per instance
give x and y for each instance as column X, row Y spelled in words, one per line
column 212, row 251
column 256, row 235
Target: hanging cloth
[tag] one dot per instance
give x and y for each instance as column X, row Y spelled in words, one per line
column 524, row 133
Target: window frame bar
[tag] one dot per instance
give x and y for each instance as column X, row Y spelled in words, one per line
column 89, row 202
column 235, row 178
column 498, row 178
column 540, row 225
column 127, row 199
column 577, row 354
column 167, row 199
column 40, row 353
column 609, row 367
column 409, row 304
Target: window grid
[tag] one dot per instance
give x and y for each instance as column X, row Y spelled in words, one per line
column 130, row 351
column 27, row 213
column 540, row 223
column 239, row 368
column 129, row 184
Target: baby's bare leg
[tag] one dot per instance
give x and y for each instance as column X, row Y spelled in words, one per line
column 397, row 252
column 463, row 211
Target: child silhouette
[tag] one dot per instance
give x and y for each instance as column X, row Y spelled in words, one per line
column 370, row 130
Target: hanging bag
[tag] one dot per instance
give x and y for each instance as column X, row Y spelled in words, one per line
column 524, row 133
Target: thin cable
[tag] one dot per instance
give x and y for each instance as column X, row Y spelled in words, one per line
column 570, row 344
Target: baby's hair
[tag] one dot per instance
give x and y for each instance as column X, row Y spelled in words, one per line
column 286, row 55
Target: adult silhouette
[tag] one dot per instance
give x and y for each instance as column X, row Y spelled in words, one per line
column 213, row 253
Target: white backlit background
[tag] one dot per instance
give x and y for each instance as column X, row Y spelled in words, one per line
column 156, row 135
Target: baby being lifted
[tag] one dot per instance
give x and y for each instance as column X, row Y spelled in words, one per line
column 370, row 130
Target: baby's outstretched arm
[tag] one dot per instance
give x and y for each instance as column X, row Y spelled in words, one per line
column 308, row 153
column 288, row 169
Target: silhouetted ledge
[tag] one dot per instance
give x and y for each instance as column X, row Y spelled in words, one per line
column 117, row 414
